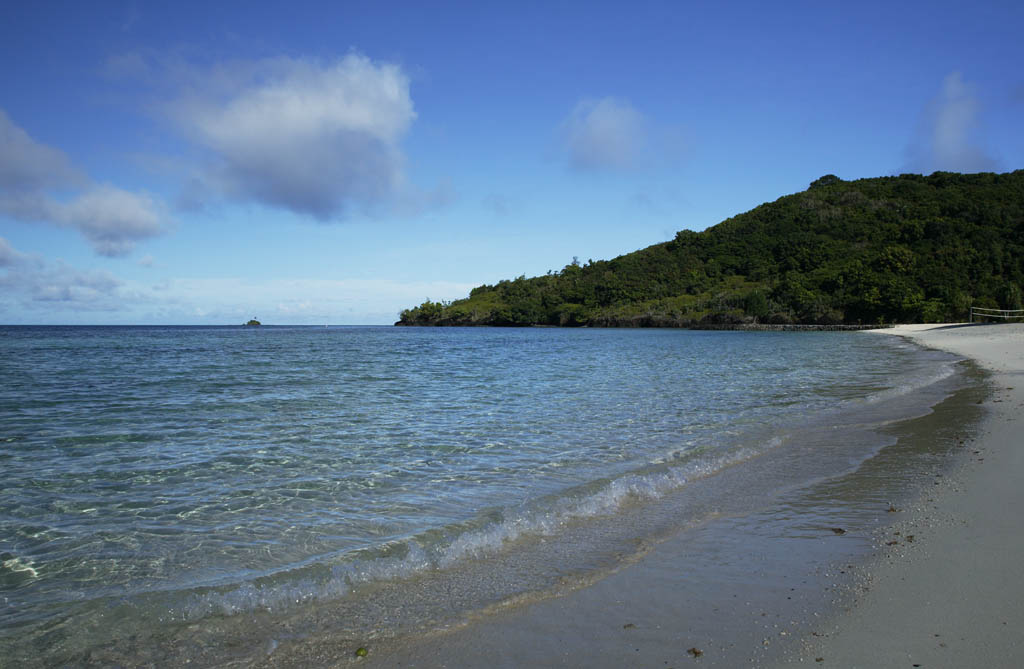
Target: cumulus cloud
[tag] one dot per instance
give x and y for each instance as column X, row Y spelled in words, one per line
column 315, row 138
column 605, row 134
column 948, row 137
column 113, row 220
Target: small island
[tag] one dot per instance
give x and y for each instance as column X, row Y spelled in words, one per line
column 253, row 322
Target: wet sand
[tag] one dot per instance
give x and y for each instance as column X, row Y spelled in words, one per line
column 909, row 558
column 954, row 596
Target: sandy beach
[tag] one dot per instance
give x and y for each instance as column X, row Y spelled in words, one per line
column 954, row 597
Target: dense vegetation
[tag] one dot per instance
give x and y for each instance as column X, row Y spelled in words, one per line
column 910, row 248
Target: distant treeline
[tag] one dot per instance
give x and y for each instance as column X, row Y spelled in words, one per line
column 910, row 248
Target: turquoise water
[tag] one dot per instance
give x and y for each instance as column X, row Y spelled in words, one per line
column 173, row 475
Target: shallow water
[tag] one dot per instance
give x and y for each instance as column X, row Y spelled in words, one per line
column 158, row 477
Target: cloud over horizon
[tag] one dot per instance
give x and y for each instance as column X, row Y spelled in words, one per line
column 948, row 138
column 315, row 138
column 32, row 175
column 44, row 292
column 37, row 286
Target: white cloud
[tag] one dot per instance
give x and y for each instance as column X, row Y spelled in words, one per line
column 85, row 289
column 315, row 138
column 948, row 136
column 112, row 219
column 33, row 291
column 605, row 134
column 41, row 288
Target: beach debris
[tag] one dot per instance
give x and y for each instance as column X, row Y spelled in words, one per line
column 909, row 537
column 838, row 530
column 696, row 652
column 819, row 659
column 892, row 508
column 361, row 651
column 629, row 626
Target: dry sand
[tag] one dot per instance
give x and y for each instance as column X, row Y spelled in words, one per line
column 955, row 597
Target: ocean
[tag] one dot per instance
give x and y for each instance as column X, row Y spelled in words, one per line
column 204, row 494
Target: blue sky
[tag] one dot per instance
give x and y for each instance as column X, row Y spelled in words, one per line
column 335, row 162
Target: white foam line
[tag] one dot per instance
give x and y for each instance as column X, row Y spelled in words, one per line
column 471, row 544
column 19, row 567
column 941, row 373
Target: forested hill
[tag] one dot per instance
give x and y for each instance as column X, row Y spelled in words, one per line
column 910, row 248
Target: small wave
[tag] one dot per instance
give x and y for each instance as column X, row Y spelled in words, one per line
column 445, row 549
column 934, row 375
column 606, row 500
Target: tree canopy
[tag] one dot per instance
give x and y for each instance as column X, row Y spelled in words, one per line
column 908, row 248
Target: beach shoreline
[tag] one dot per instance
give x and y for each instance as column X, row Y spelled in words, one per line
column 773, row 587
column 936, row 583
column 881, row 534
column 954, row 596
column 743, row 551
